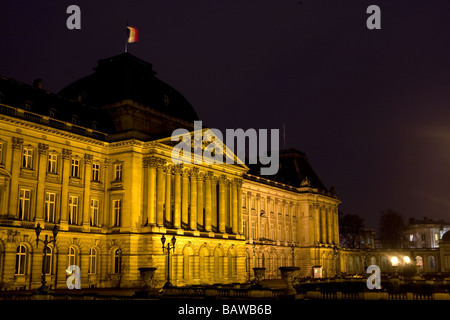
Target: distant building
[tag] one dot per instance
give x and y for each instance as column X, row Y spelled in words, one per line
column 424, row 233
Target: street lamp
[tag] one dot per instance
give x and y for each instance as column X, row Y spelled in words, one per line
column 168, row 248
column 43, row 288
column 336, row 258
column 293, row 254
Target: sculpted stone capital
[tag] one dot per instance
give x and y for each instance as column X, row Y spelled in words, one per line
column 16, row 142
column 42, row 148
column 66, row 153
column 88, row 158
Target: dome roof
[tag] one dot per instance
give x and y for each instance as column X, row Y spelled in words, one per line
column 446, row 237
column 130, row 79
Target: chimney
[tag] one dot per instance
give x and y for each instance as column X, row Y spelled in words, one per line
column 37, row 83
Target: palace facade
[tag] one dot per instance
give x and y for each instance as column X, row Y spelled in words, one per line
column 95, row 160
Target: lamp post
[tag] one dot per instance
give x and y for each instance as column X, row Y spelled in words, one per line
column 168, row 248
column 43, row 288
column 293, row 254
column 336, row 258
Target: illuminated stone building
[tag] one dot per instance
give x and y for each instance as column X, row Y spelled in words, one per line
column 95, row 160
column 290, row 219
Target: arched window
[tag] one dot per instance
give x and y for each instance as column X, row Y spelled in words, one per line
column 72, row 256
column 21, row 260
column 432, row 263
column 92, row 261
column 117, row 267
column 232, row 264
column 373, row 260
column 419, row 263
column 48, row 261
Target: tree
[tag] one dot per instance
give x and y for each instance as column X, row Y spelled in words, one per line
column 391, row 226
column 351, row 230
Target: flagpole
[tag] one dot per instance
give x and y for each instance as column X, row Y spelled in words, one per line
column 126, row 41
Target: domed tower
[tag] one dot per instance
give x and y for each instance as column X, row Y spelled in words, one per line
column 132, row 101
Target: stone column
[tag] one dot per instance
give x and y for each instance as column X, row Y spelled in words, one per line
column 87, row 188
column 177, row 190
column 65, row 188
column 208, row 204
column 316, row 215
column 336, row 226
column 234, row 197
column 330, row 230
column 16, row 161
column 193, row 202
column 214, row 212
column 200, row 220
column 42, row 170
column 149, row 164
column 160, row 191
column 323, row 226
column 185, row 200
column 168, row 209
column 222, row 204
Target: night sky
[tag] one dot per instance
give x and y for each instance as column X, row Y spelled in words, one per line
column 370, row 108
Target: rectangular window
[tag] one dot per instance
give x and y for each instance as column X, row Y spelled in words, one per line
column 24, row 204
column 73, row 210
column 117, row 212
column 118, row 172
column 287, row 234
column 94, row 212
column 252, row 202
column 253, row 230
column 272, row 236
column 243, row 201
column 263, row 207
column 279, row 233
column 2, row 151
column 50, row 207
column 263, row 230
column 52, row 163
column 95, row 172
column 294, row 235
column 75, row 168
column 411, row 237
column 244, row 228
column 27, row 158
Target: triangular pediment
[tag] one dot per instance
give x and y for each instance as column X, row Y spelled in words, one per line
column 205, row 140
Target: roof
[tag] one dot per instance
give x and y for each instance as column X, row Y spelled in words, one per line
column 294, row 170
column 122, row 99
column 128, row 77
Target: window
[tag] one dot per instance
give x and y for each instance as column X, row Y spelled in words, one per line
column 118, row 172
column 95, row 172
column 253, row 230
column 272, row 236
column 2, row 152
column 92, row 261
column 73, row 209
column 411, row 237
column 263, row 230
column 21, row 259
column 52, row 163
column 49, row 208
column 271, row 206
column 424, row 237
column 27, row 158
column 436, row 237
column 75, row 168
column 287, row 234
column 279, row 232
column 294, row 235
column 94, row 212
column 24, row 204
column 263, row 207
column 243, row 201
column 252, row 201
column 117, row 261
column 72, row 256
column 117, row 212
column 48, row 260
column 244, row 228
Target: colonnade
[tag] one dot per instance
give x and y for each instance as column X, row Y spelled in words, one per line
column 184, row 197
